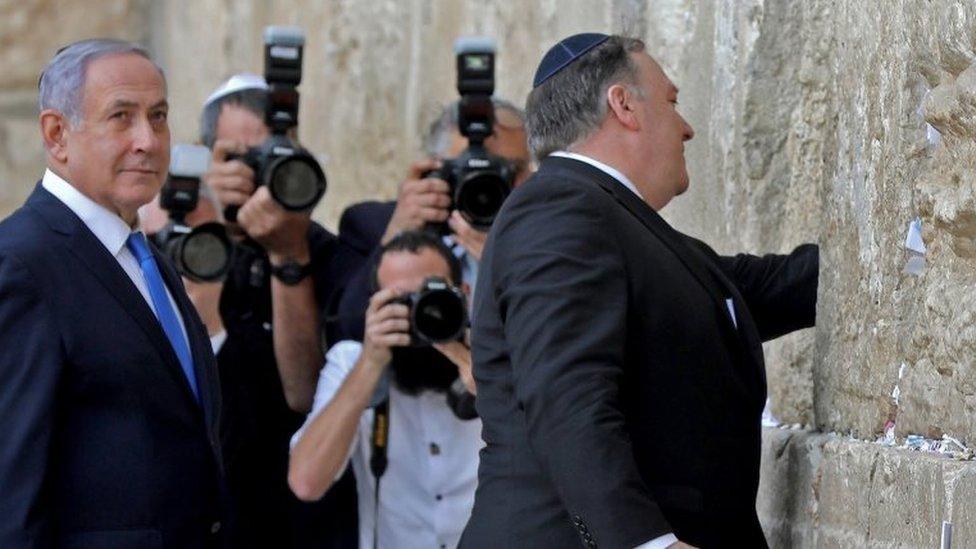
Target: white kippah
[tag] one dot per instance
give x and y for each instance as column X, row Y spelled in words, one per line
column 236, row 83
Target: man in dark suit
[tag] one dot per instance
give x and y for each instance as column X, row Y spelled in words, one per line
column 108, row 391
column 618, row 362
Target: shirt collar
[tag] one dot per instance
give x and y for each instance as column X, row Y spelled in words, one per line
column 612, row 172
column 111, row 230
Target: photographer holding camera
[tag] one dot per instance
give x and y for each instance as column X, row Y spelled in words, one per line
column 442, row 193
column 183, row 221
column 284, row 272
column 414, row 456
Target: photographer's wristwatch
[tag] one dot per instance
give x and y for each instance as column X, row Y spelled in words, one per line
column 291, row 272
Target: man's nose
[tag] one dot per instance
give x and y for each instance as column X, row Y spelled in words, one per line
column 145, row 136
column 689, row 132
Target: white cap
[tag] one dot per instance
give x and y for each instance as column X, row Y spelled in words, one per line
column 238, row 82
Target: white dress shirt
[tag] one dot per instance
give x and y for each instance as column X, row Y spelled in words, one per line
column 112, row 232
column 663, row 541
column 427, row 492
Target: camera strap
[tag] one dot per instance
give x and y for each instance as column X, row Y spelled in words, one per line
column 377, row 458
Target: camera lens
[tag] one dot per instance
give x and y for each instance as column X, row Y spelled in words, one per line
column 479, row 197
column 439, row 315
column 205, row 253
column 296, row 183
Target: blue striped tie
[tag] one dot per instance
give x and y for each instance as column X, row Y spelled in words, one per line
column 164, row 311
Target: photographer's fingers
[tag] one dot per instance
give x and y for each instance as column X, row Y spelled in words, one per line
column 431, row 199
column 467, row 236
column 380, row 298
column 419, row 168
column 232, row 182
column 432, row 185
column 224, row 147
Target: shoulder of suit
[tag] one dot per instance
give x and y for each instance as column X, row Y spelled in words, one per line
column 362, row 224
column 24, row 234
column 560, row 185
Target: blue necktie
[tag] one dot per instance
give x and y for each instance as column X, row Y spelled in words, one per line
column 164, row 311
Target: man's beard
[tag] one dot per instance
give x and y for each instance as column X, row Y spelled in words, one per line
column 416, row 369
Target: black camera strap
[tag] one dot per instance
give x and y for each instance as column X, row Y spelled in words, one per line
column 377, row 458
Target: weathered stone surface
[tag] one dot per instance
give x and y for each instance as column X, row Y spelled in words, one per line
column 874, row 318
column 30, row 33
column 828, row 491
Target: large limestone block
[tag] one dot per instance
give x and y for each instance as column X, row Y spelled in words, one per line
column 828, row 491
column 896, row 67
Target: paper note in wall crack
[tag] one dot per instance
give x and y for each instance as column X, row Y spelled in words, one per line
column 913, row 241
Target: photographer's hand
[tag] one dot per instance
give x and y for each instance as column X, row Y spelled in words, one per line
column 294, row 309
column 321, row 452
column 468, row 237
column 419, row 201
column 460, row 354
column 232, row 181
column 387, row 325
column 283, row 234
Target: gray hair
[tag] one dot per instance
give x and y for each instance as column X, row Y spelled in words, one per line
column 570, row 105
column 437, row 139
column 251, row 99
column 62, row 82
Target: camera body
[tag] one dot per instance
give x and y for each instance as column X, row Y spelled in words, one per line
column 479, row 182
column 201, row 253
column 293, row 176
column 438, row 312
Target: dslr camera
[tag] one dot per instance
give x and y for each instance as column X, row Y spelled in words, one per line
column 291, row 173
column 479, row 182
column 438, row 312
column 202, row 253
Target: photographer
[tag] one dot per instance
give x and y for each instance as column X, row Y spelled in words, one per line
column 205, row 295
column 285, row 269
column 426, row 200
column 427, row 472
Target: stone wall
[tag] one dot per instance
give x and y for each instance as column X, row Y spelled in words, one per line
column 831, row 121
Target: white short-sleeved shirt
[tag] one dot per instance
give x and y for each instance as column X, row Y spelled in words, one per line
column 427, row 492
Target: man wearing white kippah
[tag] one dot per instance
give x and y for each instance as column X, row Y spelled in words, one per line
column 285, row 271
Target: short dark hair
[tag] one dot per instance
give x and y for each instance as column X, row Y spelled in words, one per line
column 414, row 242
column 570, row 105
column 253, row 100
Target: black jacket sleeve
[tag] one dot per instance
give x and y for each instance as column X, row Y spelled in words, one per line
column 30, row 369
column 560, row 285
column 780, row 290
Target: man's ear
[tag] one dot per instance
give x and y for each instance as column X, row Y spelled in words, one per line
column 621, row 103
column 54, row 129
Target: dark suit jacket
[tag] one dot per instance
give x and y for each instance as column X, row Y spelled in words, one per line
column 102, row 443
column 361, row 228
column 619, row 399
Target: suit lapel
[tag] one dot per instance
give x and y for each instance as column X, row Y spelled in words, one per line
column 84, row 246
